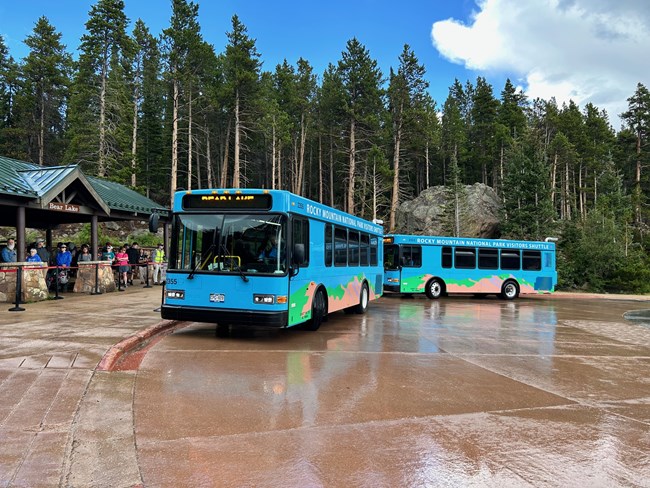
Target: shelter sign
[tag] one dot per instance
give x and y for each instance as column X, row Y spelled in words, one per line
column 64, row 207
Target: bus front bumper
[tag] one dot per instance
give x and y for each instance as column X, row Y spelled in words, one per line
column 225, row 316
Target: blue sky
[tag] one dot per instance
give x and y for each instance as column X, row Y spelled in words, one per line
column 585, row 50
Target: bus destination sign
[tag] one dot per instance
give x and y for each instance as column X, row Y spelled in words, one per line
column 227, row 201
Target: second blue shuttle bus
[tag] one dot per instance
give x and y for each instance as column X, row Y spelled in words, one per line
column 440, row 265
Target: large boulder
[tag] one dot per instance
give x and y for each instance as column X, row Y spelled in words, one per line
column 433, row 212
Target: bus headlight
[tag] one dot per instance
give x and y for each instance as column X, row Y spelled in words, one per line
column 176, row 294
column 393, row 280
column 263, row 299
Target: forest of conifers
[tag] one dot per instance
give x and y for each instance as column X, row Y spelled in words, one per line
column 164, row 111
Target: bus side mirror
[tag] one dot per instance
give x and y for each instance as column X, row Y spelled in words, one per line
column 298, row 257
column 153, row 223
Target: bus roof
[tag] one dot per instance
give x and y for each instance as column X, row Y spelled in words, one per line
column 281, row 201
column 469, row 242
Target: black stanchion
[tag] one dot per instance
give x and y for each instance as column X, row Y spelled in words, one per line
column 96, row 292
column 147, row 276
column 119, row 279
column 57, row 283
column 19, row 291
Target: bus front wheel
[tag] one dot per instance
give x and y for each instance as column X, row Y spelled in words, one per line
column 509, row 290
column 318, row 311
column 364, row 298
column 434, row 289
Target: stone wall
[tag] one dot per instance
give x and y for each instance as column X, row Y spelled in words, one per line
column 85, row 282
column 33, row 287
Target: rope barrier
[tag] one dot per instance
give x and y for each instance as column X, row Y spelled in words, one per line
column 19, row 269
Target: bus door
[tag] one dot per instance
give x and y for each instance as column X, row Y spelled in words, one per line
column 412, row 277
column 392, row 269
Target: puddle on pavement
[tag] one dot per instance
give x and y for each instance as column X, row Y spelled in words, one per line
column 641, row 317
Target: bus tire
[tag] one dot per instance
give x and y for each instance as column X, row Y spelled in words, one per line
column 509, row 290
column 364, row 299
column 435, row 288
column 222, row 330
column 318, row 310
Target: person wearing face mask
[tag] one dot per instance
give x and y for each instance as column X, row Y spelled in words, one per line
column 9, row 252
column 107, row 253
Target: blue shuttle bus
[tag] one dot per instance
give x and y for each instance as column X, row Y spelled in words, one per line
column 440, row 265
column 268, row 258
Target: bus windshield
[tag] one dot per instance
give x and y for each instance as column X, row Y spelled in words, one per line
column 228, row 243
column 391, row 256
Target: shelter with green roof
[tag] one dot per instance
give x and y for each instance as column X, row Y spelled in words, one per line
column 42, row 197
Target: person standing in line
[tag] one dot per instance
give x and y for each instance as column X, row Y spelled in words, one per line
column 107, row 253
column 134, row 258
column 42, row 251
column 158, row 257
column 84, row 255
column 122, row 259
column 9, row 252
column 33, row 256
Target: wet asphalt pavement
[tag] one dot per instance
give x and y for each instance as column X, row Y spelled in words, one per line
column 456, row 392
column 544, row 391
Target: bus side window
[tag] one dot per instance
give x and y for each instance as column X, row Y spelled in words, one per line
column 301, row 236
column 412, row 256
column 328, row 245
column 446, row 257
column 532, row 261
column 465, row 257
column 340, row 247
column 488, row 258
column 365, row 249
column 374, row 251
column 353, row 248
column 510, row 260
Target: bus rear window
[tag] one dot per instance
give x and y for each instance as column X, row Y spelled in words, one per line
column 532, row 261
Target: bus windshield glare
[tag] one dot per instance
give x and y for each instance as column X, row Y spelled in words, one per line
column 230, row 243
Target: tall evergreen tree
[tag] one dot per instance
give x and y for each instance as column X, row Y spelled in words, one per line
column 242, row 66
column 99, row 100
column 11, row 140
column 406, row 96
column 46, row 72
column 361, row 80
column 637, row 119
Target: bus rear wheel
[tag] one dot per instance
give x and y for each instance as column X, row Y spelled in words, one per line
column 318, row 311
column 434, row 289
column 509, row 290
column 364, row 298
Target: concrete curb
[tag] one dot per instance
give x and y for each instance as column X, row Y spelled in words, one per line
column 116, row 352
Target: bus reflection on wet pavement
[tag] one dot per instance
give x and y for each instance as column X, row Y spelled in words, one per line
column 454, row 392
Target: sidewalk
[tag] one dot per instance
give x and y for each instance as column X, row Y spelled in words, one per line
column 52, row 395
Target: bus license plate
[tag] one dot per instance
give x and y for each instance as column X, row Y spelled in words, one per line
column 217, row 297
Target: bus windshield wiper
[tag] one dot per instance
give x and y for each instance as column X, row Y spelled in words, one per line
column 207, row 253
column 233, row 265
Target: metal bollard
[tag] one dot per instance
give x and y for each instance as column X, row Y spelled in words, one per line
column 147, row 276
column 19, row 291
column 56, row 288
column 96, row 292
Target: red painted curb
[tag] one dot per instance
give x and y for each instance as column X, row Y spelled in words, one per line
column 115, row 353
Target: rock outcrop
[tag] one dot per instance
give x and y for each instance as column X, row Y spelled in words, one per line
column 433, row 212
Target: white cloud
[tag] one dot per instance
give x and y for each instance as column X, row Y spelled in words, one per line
column 585, row 50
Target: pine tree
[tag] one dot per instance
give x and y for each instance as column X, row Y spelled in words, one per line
column 637, row 119
column 99, row 100
column 11, row 137
column 406, row 94
column 242, row 66
column 46, row 77
column 361, row 79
